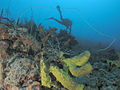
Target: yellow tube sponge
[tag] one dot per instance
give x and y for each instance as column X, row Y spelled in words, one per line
column 65, row 79
column 77, row 60
column 77, row 64
column 45, row 78
column 80, row 71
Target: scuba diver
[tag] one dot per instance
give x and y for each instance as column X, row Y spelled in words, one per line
column 66, row 22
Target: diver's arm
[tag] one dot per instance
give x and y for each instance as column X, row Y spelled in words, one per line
column 55, row 20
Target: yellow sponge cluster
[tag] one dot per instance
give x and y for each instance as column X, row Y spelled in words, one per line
column 76, row 60
column 65, row 79
column 45, row 78
column 77, row 65
column 76, row 71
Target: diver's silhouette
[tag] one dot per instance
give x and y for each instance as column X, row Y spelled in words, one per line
column 65, row 22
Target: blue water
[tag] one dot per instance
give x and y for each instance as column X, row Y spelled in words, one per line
column 103, row 15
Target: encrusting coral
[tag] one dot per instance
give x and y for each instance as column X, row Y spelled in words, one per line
column 115, row 62
column 20, row 68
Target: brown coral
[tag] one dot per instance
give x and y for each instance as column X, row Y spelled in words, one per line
column 28, row 43
column 3, row 32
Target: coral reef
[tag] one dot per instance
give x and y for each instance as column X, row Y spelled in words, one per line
column 34, row 57
column 104, row 75
column 20, row 67
column 115, row 62
column 21, row 52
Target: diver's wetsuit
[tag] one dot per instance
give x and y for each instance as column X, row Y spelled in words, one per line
column 65, row 22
